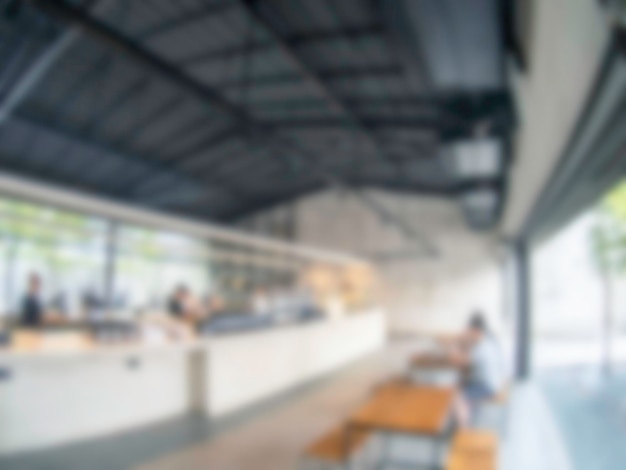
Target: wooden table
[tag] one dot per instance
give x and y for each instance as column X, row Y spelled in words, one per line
column 407, row 409
column 429, row 369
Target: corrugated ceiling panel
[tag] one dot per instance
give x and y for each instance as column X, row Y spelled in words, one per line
column 170, row 125
column 268, row 62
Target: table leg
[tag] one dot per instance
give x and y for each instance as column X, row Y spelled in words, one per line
column 384, row 451
column 346, row 448
column 437, row 447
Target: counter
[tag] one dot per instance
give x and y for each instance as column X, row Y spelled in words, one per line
column 243, row 369
column 68, row 395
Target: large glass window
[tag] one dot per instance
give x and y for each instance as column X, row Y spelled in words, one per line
column 150, row 264
column 4, row 276
column 67, row 250
column 89, row 265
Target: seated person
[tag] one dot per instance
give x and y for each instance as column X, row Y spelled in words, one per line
column 32, row 312
column 176, row 301
column 182, row 305
column 478, row 357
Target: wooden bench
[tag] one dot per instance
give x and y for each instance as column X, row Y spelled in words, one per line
column 336, row 447
column 473, row 450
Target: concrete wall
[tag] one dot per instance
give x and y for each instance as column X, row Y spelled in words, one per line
column 420, row 294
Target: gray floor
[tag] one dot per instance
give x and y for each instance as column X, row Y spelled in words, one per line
column 590, row 410
column 272, row 435
column 119, row 451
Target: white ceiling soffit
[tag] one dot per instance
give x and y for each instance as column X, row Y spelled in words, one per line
column 570, row 37
column 594, row 159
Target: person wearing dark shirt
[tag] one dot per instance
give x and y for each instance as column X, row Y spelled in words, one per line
column 32, row 312
column 176, row 304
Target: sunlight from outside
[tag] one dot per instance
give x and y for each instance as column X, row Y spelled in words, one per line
column 577, row 294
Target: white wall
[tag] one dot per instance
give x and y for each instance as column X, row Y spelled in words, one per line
column 247, row 368
column 420, row 294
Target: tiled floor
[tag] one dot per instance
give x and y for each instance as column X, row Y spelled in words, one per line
column 271, row 436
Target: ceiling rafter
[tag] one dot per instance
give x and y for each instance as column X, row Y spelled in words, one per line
column 167, row 71
column 40, row 67
column 294, row 41
column 142, row 125
column 264, row 17
column 267, row 134
column 353, row 73
column 185, row 130
column 172, row 24
column 167, row 171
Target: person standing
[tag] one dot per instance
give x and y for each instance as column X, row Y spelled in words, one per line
column 32, row 310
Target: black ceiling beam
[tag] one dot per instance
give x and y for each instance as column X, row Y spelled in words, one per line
column 57, row 175
column 62, row 132
column 206, row 143
column 78, row 86
column 168, row 171
column 192, row 154
column 265, row 17
column 237, row 192
column 104, row 33
column 200, row 14
column 398, row 29
column 167, row 71
column 179, row 197
column 299, row 40
column 354, row 73
column 90, row 129
column 460, row 103
column 509, row 11
column 198, row 59
column 61, row 105
column 447, row 128
column 374, row 123
column 122, row 43
column 130, row 93
column 185, row 129
column 148, row 121
column 39, row 68
column 233, row 164
column 261, row 16
column 447, row 190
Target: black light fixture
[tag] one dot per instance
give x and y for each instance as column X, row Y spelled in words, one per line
column 475, row 159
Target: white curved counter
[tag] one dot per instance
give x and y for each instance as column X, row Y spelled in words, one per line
column 63, row 397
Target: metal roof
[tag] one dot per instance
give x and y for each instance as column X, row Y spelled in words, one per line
column 219, row 108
